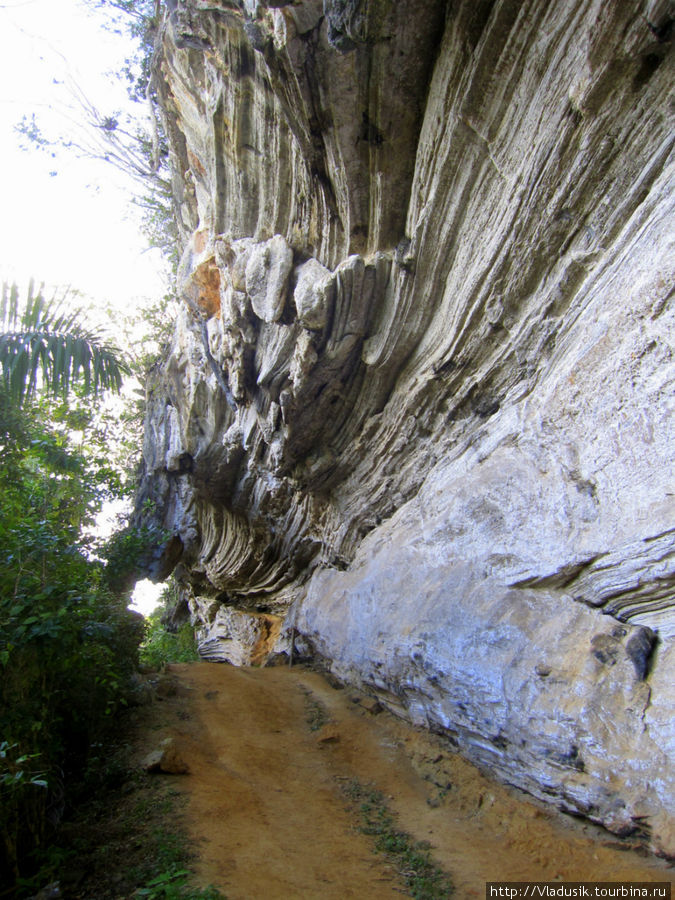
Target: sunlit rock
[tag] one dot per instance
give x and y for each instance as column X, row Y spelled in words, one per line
column 416, row 417
column 267, row 272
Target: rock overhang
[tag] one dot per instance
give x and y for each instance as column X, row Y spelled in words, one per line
column 420, row 388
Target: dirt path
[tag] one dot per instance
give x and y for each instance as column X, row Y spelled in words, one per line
column 267, row 813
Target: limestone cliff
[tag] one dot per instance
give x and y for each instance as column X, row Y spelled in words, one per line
column 416, row 414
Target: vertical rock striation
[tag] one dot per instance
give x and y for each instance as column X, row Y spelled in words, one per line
column 416, row 416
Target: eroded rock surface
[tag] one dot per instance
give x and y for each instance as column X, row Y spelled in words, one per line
column 416, row 416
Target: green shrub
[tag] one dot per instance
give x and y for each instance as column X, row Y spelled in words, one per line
column 68, row 644
column 161, row 647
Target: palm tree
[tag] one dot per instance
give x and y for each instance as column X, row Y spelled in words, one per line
column 44, row 345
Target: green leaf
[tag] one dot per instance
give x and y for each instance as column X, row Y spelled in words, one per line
column 43, row 345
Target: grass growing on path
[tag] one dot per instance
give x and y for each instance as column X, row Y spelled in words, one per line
column 411, row 859
column 316, row 714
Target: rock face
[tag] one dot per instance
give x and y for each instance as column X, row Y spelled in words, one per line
column 416, row 415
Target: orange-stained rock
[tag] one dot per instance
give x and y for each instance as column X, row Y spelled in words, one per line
column 205, row 287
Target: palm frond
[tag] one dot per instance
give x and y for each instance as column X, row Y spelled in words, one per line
column 48, row 345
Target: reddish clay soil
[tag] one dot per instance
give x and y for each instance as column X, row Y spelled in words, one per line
column 266, row 810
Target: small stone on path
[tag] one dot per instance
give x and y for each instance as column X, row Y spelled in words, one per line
column 166, row 759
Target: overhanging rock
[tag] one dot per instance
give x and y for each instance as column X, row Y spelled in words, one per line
column 419, row 402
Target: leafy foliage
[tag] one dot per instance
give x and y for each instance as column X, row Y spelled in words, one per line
column 67, row 642
column 171, row 881
column 44, row 342
column 125, row 839
column 161, row 646
column 22, row 790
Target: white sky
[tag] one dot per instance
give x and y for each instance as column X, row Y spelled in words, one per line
column 76, row 227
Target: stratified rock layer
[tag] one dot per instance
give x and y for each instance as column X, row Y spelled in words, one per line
column 416, row 415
